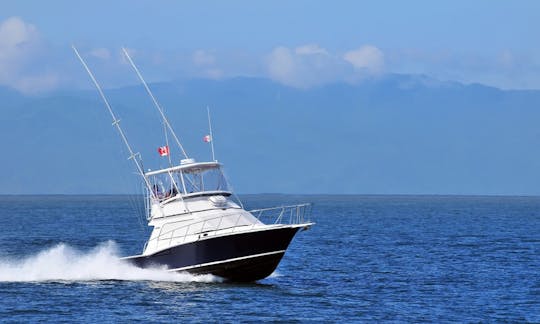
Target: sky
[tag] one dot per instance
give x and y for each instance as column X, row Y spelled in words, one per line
column 300, row 44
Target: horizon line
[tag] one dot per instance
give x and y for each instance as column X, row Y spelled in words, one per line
column 287, row 194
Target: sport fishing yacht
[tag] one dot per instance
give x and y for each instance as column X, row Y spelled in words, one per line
column 199, row 224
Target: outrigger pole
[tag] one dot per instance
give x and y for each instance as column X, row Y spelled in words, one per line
column 155, row 102
column 116, row 123
column 211, row 135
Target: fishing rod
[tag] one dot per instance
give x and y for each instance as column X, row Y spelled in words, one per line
column 154, row 100
column 116, row 123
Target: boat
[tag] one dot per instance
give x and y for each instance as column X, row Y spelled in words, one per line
column 200, row 228
column 199, row 225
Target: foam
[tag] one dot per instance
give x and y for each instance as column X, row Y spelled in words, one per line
column 65, row 263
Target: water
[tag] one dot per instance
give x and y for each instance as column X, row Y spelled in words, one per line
column 369, row 258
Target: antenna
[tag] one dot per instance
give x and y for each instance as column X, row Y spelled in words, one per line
column 165, row 121
column 211, row 135
column 116, row 123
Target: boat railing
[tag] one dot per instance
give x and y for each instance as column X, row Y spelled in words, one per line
column 289, row 215
column 293, row 214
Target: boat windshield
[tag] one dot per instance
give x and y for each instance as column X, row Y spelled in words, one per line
column 189, row 181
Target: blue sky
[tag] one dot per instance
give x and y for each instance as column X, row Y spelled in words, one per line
column 297, row 43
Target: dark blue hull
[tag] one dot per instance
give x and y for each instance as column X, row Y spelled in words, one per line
column 236, row 257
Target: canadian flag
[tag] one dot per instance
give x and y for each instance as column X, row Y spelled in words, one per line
column 163, row 150
column 207, row 138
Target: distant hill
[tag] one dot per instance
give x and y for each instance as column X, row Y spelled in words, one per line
column 397, row 134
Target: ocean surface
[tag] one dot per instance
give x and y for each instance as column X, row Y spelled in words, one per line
column 368, row 259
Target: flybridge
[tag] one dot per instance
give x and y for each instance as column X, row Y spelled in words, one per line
column 187, row 168
column 204, row 178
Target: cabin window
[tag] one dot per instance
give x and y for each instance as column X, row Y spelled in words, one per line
column 164, row 187
column 197, row 180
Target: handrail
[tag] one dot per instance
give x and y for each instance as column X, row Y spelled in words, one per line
column 301, row 211
column 297, row 215
column 280, row 207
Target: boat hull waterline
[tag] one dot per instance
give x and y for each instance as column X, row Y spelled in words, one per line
column 240, row 257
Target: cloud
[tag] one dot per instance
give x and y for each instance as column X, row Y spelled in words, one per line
column 37, row 83
column 310, row 49
column 101, row 53
column 202, row 58
column 311, row 65
column 206, row 65
column 506, row 69
column 213, row 73
column 506, row 60
column 367, row 57
column 15, row 34
column 302, row 67
column 281, row 65
column 17, row 42
column 20, row 43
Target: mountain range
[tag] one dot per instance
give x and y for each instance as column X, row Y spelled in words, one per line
column 396, row 134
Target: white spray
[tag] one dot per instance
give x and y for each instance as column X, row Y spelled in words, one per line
column 64, row 263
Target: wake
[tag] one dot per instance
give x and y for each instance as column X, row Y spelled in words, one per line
column 64, row 263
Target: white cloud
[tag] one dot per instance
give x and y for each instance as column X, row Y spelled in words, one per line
column 101, row 53
column 20, row 43
column 303, row 67
column 281, row 65
column 15, row 34
column 213, row 73
column 310, row 49
column 506, row 60
column 506, row 69
column 367, row 57
column 205, row 65
column 17, row 40
column 36, row 84
column 311, row 65
column 203, row 58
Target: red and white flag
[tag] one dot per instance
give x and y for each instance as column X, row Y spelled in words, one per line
column 163, row 150
column 207, row 139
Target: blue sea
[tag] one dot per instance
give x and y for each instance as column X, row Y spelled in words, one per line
column 368, row 259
